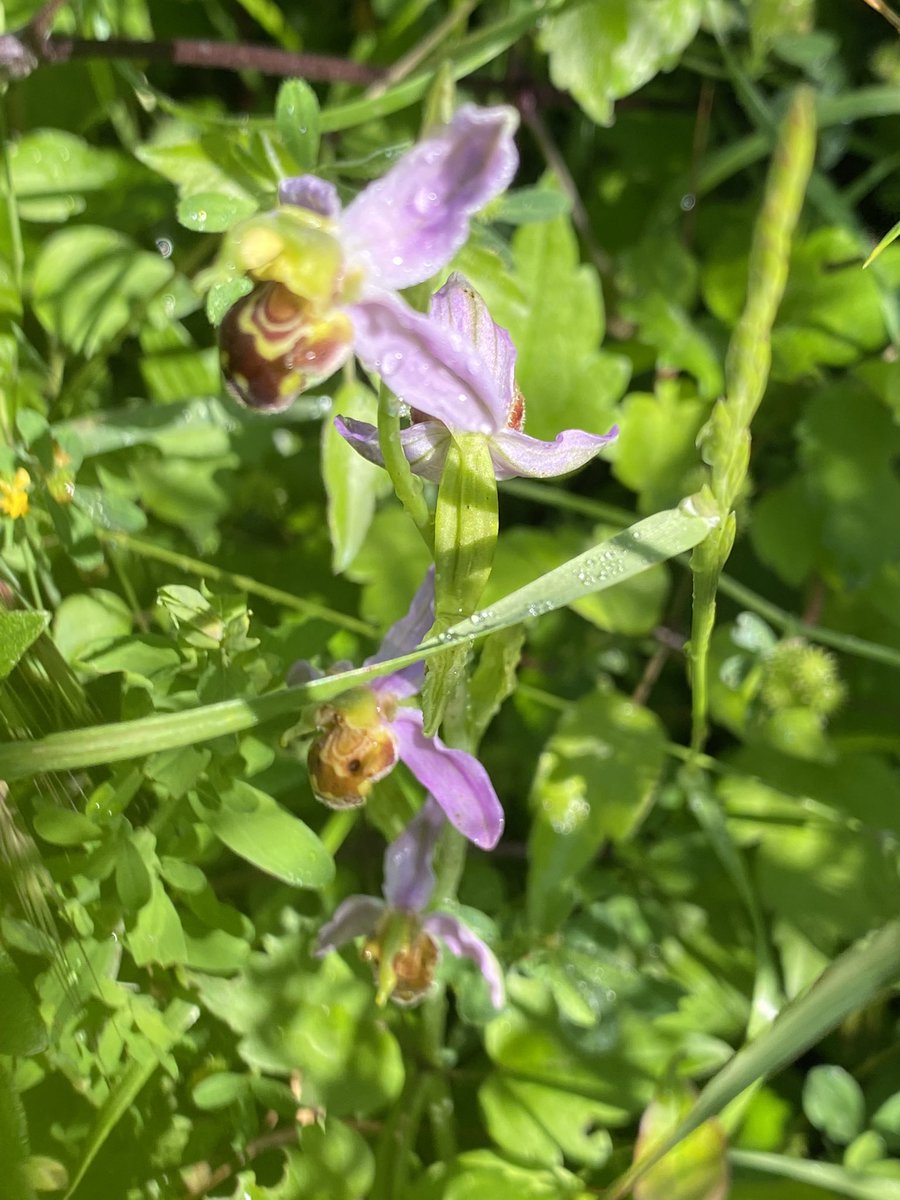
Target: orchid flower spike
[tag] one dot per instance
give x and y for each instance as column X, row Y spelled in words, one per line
column 363, row 733
column 326, row 281
column 461, row 311
column 400, row 937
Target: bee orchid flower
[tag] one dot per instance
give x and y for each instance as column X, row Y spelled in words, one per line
column 402, row 940
column 366, row 731
column 326, row 280
column 462, row 313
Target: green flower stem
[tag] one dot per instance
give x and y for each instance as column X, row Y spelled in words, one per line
column 408, row 487
column 195, row 566
column 337, row 829
column 726, row 439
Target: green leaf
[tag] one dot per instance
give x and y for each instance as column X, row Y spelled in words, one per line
column 13, row 1142
column 656, row 451
column 177, row 1019
column 157, row 936
column 522, row 206
column 219, row 1090
column 542, row 1125
column 827, row 1178
column 46, row 1174
column 253, row 826
column 352, row 485
column 297, row 118
column 65, row 827
column 484, row 1175
column 89, row 281
column 892, row 234
column 22, row 1032
column 52, row 171
column 108, row 510
column 834, row 1102
column 335, row 1162
column 213, row 212
column 594, row 783
column 601, row 50
column 85, row 620
column 133, row 880
column 18, row 631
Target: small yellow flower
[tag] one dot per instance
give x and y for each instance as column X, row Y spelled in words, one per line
column 14, row 496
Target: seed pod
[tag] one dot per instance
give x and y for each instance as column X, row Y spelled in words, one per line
column 274, row 345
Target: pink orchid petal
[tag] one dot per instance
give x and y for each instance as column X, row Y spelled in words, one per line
column 463, row 943
column 458, row 306
column 516, row 453
column 432, row 369
column 408, row 874
column 407, row 225
column 457, row 780
column 309, row 191
column 355, row 916
column 402, row 637
column 425, row 444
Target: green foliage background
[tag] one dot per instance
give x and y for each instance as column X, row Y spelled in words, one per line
column 657, row 900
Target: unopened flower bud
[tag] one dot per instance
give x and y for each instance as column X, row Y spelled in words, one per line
column 274, row 345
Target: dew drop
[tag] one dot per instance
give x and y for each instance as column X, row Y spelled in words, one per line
column 164, row 246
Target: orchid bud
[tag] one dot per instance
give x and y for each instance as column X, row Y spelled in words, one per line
column 274, row 345
column 355, row 749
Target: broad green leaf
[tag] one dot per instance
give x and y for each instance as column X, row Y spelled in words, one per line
column 177, row 1018
column 133, row 880
column 53, row 170
column 297, row 118
column 834, row 1102
column 543, row 1125
column 13, row 1142
column 22, row 1032
column 352, row 485
column 601, row 50
column 18, row 631
column 107, row 510
column 89, row 281
column 87, row 619
column 65, row 827
column 46, row 1174
column 257, row 829
column 522, row 206
column 485, row 1175
column 213, row 212
column 594, row 783
column 219, row 1090
column 334, row 1161
column 157, row 936
column 656, row 451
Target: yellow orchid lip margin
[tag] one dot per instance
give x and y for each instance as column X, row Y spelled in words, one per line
column 14, row 496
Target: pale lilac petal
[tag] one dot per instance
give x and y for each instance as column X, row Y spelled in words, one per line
column 516, row 453
column 458, row 306
column 309, row 191
column 457, row 780
column 408, row 874
column 463, row 943
column 408, row 224
column 425, row 444
column 404, row 635
column 355, row 916
column 432, row 369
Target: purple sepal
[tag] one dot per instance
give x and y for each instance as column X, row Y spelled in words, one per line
column 429, row 367
column 408, row 874
column 353, row 917
column 425, row 444
column 405, row 635
column 311, row 192
column 457, row 780
column 405, row 226
column 516, row 454
column 458, row 306
column 463, row 943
